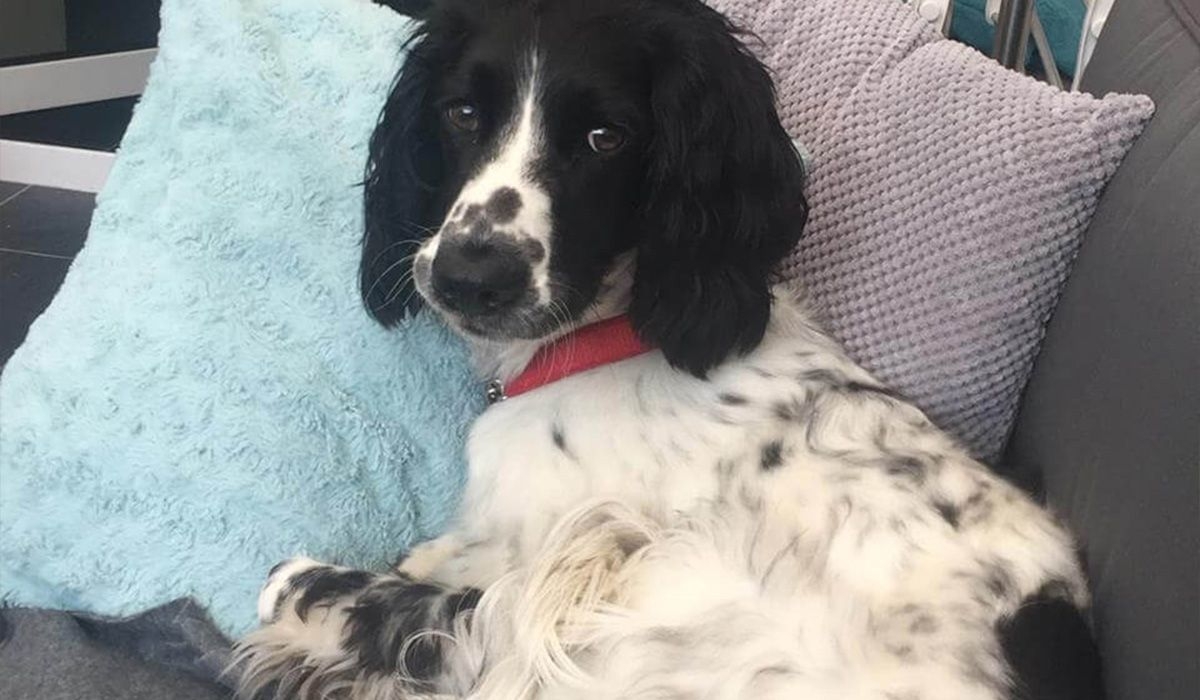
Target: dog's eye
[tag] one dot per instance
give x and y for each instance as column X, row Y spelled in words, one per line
column 605, row 139
column 463, row 116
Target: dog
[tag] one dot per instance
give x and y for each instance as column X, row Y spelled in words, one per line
column 684, row 488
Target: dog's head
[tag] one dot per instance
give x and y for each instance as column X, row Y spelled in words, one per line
column 529, row 144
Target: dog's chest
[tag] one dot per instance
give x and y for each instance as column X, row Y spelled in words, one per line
column 624, row 431
column 670, row 447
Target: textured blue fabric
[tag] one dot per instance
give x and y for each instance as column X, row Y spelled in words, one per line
column 206, row 395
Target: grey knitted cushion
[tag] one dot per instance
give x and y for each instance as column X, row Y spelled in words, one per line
column 949, row 197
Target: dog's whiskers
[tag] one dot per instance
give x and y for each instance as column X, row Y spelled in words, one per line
column 402, row 280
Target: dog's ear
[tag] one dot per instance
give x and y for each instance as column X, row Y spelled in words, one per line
column 723, row 200
column 411, row 8
column 403, row 182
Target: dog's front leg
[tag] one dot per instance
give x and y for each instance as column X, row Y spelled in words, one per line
column 330, row 631
column 460, row 560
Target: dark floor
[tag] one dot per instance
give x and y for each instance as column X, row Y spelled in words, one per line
column 41, row 230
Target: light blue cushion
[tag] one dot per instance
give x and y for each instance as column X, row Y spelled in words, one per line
column 205, row 395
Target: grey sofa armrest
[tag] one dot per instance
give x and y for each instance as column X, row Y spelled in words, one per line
column 1110, row 421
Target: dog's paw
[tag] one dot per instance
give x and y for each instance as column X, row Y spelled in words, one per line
column 278, row 586
column 426, row 558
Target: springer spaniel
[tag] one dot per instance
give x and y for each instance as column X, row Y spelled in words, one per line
column 685, row 489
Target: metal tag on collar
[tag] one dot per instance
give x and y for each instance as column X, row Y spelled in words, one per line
column 495, row 392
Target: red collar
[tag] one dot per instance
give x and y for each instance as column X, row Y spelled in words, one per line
column 578, row 351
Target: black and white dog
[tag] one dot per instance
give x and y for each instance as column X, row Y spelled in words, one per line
column 697, row 494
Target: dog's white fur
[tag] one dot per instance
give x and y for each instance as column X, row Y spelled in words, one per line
column 781, row 529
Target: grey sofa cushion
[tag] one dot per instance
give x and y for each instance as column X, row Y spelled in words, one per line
column 1111, row 417
column 948, row 198
column 170, row 652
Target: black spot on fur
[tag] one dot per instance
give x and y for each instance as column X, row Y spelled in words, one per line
column 629, row 543
column 978, row 508
column 1055, row 590
column 1051, row 653
column 827, row 377
column 948, row 511
column 772, row 455
column 326, row 585
column 798, row 410
column 924, row 624
column 462, row 602
column 384, row 623
column 480, row 232
column 300, row 582
column 534, row 251
column 776, row 671
column 731, row 399
column 559, row 437
column 503, row 205
column 472, row 215
column 999, row 582
column 837, row 381
column 905, row 466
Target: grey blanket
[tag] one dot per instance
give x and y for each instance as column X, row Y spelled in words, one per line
column 173, row 651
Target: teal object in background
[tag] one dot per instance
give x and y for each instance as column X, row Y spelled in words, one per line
column 1062, row 20
column 206, row 395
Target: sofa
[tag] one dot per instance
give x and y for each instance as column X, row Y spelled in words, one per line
column 1109, row 425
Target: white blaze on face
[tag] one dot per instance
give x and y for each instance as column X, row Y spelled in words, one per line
column 520, row 145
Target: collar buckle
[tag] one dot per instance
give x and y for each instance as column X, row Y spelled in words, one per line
column 494, row 392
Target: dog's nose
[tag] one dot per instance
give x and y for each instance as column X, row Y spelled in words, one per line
column 477, row 277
